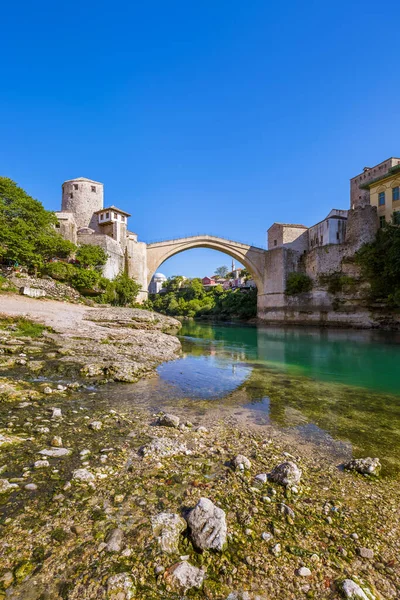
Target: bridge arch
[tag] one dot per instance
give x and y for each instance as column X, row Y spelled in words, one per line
column 250, row 256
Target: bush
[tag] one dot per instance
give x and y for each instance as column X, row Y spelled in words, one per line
column 91, row 256
column 335, row 282
column 122, row 291
column 60, row 271
column 298, row 283
column 85, row 279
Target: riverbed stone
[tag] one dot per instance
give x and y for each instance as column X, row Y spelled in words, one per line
column 168, row 420
column 120, row 587
column 207, row 524
column 115, row 540
column 351, row 589
column 186, row 576
column 366, row 553
column 304, row 572
column 6, row 486
column 55, row 452
column 56, row 442
column 83, row 475
column 167, row 528
column 95, row 425
column 41, row 464
column 163, row 446
column 365, row 466
column 286, row 474
column 241, row 462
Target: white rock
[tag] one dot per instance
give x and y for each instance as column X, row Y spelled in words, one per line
column 266, row 536
column 304, row 572
column 57, row 414
column 261, row 478
column 186, row 576
column 207, row 525
column 120, row 587
column 55, row 452
column 287, row 474
column 31, row 487
column 41, row 464
column 6, row 486
column 276, row 550
column 352, row 590
column 167, row 528
column 114, row 540
column 168, row 420
column 365, row 466
column 56, row 442
column 83, row 475
column 241, row 462
column 95, row 425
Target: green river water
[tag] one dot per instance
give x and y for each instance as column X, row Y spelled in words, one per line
column 329, row 386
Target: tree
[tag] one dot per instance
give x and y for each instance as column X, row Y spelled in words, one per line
column 222, row 271
column 121, row 291
column 380, row 264
column 91, row 256
column 27, row 233
column 297, row 283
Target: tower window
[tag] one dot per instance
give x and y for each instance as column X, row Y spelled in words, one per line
column 107, row 215
column 93, row 188
column 71, row 195
column 275, row 242
column 101, row 216
column 115, row 216
column 57, row 225
column 75, row 186
column 122, row 218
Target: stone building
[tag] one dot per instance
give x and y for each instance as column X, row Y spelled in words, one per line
column 384, row 194
column 359, row 194
column 84, row 219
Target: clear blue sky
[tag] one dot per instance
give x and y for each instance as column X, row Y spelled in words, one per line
column 208, row 116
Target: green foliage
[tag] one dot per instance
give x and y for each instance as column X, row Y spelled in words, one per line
column 380, row 265
column 122, row 291
column 27, row 234
column 91, row 256
column 297, row 283
column 192, row 300
column 335, row 282
column 23, row 327
column 85, row 279
column 59, row 270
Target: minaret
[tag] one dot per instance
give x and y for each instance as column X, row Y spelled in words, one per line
column 233, row 265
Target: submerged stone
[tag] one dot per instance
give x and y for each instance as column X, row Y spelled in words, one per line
column 83, row 475
column 55, row 452
column 365, row 466
column 6, row 486
column 159, row 447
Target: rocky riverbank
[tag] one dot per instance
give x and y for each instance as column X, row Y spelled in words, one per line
column 98, row 503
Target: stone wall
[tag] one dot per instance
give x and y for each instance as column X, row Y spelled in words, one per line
column 136, row 264
column 115, row 262
column 79, row 199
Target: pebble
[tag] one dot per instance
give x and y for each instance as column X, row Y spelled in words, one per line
column 186, row 575
column 47, row 390
column 287, row 474
column 95, row 425
column 31, row 487
column 57, row 414
column 56, row 441
column 241, row 462
column 168, row 420
column 6, row 486
column 303, row 572
column 366, row 553
column 83, row 475
column 114, row 540
column 41, row 464
column 55, row 452
column 352, row 590
column 276, row 550
column 266, row 536
column 261, row 478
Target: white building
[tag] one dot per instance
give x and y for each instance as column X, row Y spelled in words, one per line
column 156, row 283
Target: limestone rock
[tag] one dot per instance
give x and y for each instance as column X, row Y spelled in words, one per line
column 32, row 292
column 95, row 425
column 41, row 464
column 365, row 466
column 241, row 462
column 55, row 452
column 162, row 446
column 120, row 587
column 83, row 475
column 114, row 540
column 6, row 486
column 167, row 527
column 56, row 442
column 57, row 414
column 261, row 478
column 304, row 572
column 186, row 576
column 351, row 589
column 287, row 474
column 168, row 420
column 207, row 524
column 366, row 553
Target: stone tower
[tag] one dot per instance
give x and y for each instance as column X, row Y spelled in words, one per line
column 82, row 197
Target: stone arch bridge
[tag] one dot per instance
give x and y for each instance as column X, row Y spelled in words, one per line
column 267, row 267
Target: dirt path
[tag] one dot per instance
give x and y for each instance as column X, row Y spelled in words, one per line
column 62, row 317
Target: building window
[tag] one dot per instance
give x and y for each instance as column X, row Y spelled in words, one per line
column 75, row 186
column 107, row 215
column 396, row 217
column 93, row 188
column 395, row 193
column 382, row 221
column 115, row 216
column 122, row 218
column 71, row 195
column 58, row 225
column 381, row 198
column 337, row 235
column 275, row 242
column 101, row 216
